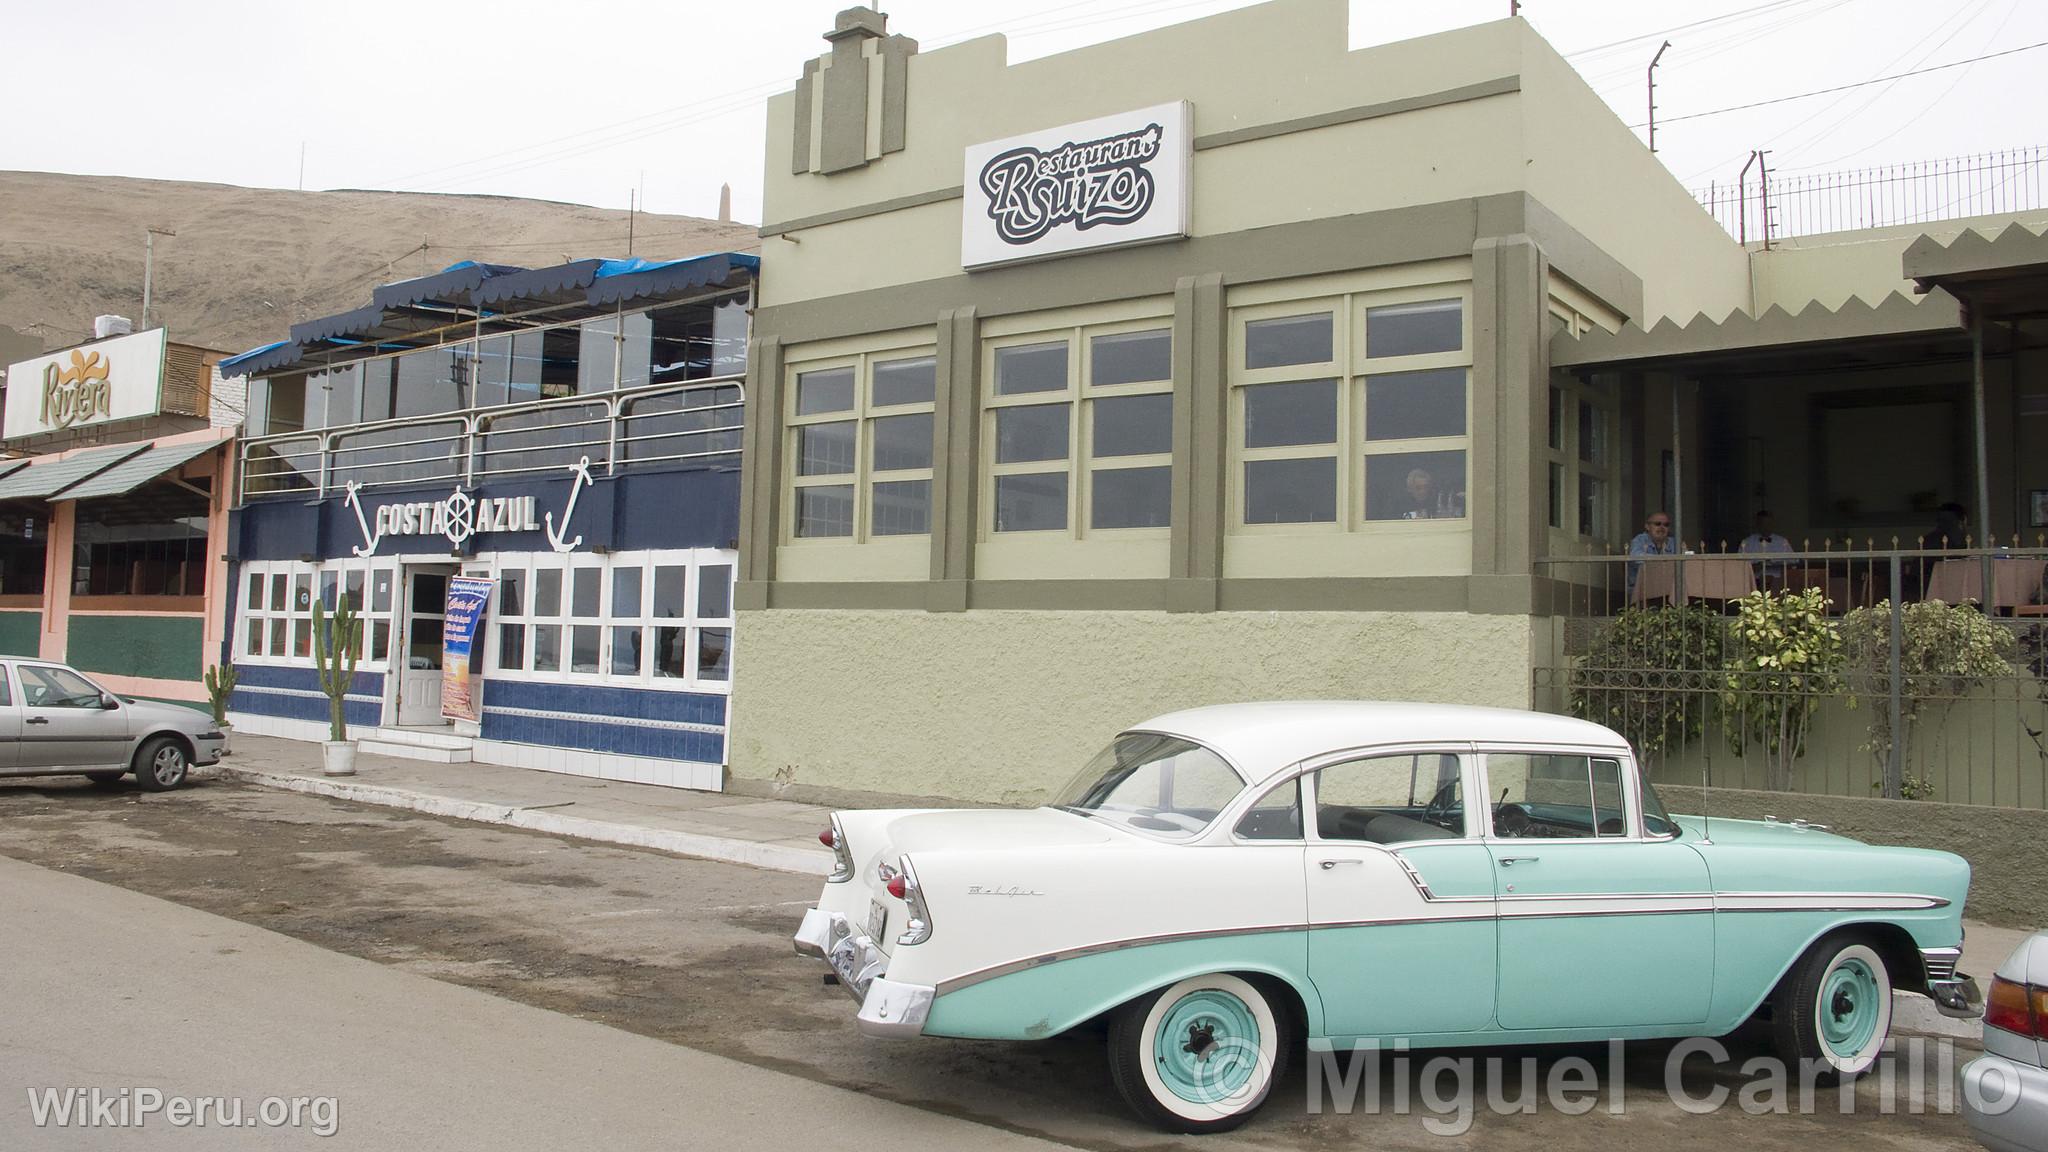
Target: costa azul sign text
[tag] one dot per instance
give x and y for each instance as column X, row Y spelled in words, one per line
column 116, row 379
column 458, row 516
column 1118, row 180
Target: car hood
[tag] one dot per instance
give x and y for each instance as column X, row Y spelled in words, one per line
column 996, row 828
column 1724, row 830
column 172, row 715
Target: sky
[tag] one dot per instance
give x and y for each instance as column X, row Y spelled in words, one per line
column 661, row 100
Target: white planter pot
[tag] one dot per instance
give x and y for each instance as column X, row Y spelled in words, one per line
column 338, row 757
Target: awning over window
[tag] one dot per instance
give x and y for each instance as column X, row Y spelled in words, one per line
column 48, row 475
column 136, row 471
column 452, row 284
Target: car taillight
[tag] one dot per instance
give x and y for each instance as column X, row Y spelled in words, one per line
column 834, row 837
column 917, row 928
column 2017, row 1008
column 828, row 837
column 897, row 886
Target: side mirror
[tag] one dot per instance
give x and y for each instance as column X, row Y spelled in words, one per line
column 108, row 703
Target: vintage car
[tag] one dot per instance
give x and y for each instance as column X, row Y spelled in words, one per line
column 1222, row 885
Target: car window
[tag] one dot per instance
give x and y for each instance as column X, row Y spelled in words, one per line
column 1156, row 783
column 45, row 687
column 1537, row 797
column 1391, row 799
column 6, row 693
column 1277, row 815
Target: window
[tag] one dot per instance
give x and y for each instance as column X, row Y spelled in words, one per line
column 1351, row 410
column 651, row 619
column 150, row 542
column 1552, row 797
column 1158, row 784
column 1582, row 470
column 861, row 447
column 1391, row 799
column 43, row 686
column 24, row 544
column 1277, row 815
column 1079, row 430
column 274, row 621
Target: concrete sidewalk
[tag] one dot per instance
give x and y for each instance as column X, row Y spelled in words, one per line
column 765, row 833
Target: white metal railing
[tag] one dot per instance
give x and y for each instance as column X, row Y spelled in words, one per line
column 661, row 423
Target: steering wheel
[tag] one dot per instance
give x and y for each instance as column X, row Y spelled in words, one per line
column 1511, row 820
column 1438, row 812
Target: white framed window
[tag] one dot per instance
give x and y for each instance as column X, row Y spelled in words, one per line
column 655, row 619
column 1582, row 467
column 860, row 444
column 274, row 621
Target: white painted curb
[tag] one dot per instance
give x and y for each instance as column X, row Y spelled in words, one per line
column 780, row 857
column 1916, row 1013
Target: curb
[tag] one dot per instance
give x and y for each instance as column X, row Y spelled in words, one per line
column 1917, row 1014
column 779, row 857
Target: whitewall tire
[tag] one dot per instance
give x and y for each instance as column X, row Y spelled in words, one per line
column 1834, row 1009
column 1202, row 1055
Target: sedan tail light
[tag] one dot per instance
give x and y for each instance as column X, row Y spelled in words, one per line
column 918, row 927
column 834, row 838
column 2021, row 1009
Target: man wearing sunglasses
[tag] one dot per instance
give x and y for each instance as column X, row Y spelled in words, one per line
column 1654, row 540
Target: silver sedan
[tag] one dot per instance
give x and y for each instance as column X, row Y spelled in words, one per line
column 55, row 721
column 2005, row 1091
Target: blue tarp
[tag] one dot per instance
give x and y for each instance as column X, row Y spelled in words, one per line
column 452, row 284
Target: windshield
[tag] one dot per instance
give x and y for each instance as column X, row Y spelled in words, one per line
column 1158, row 784
column 1656, row 821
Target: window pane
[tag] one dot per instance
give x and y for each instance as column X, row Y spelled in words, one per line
column 1037, row 432
column 714, row 653
column 905, row 381
column 1033, row 503
column 1131, row 357
column 1592, row 435
column 1413, row 329
column 1556, row 495
column 902, row 508
column 626, row 650
column 380, row 640
column 1592, row 506
column 626, row 603
column 277, row 593
column 1540, row 797
column 255, row 598
column 824, row 511
column 668, row 591
column 1391, row 799
column 547, row 648
column 1608, row 816
column 668, row 653
column 825, row 449
column 380, row 590
column 511, row 592
column 1415, row 486
column 302, row 637
column 302, row 592
column 1031, row 368
column 714, row 592
column 828, row 391
column 1404, row 405
column 1303, row 412
column 254, row 646
column 1290, row 491
column 547, row 592
column 583, row 645
column 1133, row 425
column 1557, row 419
column 1130, row 497
column 1290, row 340
column 585, row 584
column 901, row 442
column 1277, row 815
column 353, row 582
column 277, row 636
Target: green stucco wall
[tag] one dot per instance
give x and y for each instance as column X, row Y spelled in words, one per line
column 163, row 647
column 18, row 633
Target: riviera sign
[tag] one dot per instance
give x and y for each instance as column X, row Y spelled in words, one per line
column 117, row 379
column 1101, row 183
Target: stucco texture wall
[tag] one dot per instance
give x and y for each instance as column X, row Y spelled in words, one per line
column 1004, row 707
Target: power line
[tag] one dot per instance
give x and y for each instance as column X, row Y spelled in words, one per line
column 1683, row 27
column 1857, row 84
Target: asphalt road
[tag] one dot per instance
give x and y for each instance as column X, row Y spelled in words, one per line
column 670, row 961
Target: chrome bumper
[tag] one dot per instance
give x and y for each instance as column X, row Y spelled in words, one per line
column 888, row 1008
column 1953, row 993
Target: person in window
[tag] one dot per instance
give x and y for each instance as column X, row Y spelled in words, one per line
column 1654, row 540
column 1764, row 541
column 1421, row 502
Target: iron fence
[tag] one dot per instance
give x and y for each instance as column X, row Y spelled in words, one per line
column 1909, row 673
column 1768, row 207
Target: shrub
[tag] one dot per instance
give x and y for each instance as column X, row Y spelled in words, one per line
column 1784, row 656
column 1651, row 674
column 1945, row 652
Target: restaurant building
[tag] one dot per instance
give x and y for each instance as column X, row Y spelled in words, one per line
column 568, row 435
column 114, row 499
column 1221, row 362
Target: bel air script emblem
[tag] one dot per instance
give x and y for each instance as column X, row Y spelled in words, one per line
column 1001, row 890
column 1086, row 183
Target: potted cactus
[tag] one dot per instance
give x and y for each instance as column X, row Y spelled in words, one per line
column 220, row 686
column 337, row 642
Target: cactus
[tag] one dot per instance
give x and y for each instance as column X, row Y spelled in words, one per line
column 336, row 647
column 220, row 684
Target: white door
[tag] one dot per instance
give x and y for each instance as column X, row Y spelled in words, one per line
column 419, row 675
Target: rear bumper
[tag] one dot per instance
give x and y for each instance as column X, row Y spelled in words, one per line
column 888, row 1008
column 1953, row 993
column 2006, row 1104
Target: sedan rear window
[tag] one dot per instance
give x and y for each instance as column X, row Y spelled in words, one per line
column 1158, row 784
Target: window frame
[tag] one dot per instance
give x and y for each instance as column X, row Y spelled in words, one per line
column 608, row 620
column 863, row 414
column 1633, row 830
column 249, row 614
column 1566, row 469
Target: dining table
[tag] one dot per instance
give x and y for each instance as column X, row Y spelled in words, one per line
column 1695, row 577
column 2015, row 581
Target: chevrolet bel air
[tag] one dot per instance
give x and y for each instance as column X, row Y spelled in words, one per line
column 1221, row 886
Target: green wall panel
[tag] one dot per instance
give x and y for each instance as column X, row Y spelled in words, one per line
column 18, row 633
column 165, row 647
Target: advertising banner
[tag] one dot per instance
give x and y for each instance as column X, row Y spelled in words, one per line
column 117, row 379
column 462, row 681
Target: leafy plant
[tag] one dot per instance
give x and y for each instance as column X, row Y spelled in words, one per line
column 1650, row 675
column 1911, row 788
column 1783, row 657
column 220, row 685
column 337, row 643
column 1946, row 651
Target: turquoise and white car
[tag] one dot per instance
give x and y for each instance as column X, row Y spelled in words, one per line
column 1222, row 885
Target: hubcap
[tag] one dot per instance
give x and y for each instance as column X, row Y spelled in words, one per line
column 1207, row 1047
column 168, row 766
column 1849, row 1007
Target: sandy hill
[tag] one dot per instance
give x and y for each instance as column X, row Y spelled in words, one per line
column 247, row 262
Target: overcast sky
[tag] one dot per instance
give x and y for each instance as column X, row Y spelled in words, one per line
column 587, row 102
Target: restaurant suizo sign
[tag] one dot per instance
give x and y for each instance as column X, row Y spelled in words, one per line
column 1101, row 183
column 117, row 379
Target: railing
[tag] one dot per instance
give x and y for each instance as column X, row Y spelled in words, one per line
column 663, row 424
column 1803, row 204
column 1908, row 674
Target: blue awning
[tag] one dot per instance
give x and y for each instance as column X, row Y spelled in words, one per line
column 275, row 354
column 559, row 284
column 352, row 323
column 452, row 284
column 668, row 277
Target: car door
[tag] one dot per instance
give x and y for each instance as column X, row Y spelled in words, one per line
column 1600, row 926
column 10, row 724
column 1400, row 894
column 63, row 724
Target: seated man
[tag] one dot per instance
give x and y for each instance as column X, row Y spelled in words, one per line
column 1654, row 540
column 1765, row 541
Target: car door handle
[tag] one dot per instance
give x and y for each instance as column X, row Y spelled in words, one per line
column 1511, row 861
column 37, row 720
column 1329, row 864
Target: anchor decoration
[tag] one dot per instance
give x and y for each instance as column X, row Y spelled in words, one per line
column 582, row 470
column 370, row 539
column 459, row 516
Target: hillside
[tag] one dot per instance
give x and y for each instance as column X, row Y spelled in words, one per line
column 247, row 262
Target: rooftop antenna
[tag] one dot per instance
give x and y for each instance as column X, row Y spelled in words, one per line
column 632, row 207
column 302, row 165
column 1650, row 77
column 149, row 267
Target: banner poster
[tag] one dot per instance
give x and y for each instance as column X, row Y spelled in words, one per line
column 462, row 688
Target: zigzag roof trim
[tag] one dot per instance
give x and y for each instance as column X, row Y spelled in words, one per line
column 1928, row 259
column 1896, row 314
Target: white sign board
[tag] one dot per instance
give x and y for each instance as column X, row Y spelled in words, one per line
column 116, row 379
column 1101, row 183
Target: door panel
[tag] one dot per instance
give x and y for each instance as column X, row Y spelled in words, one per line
column 62, row 724
column 419, row 660
column 10, row 725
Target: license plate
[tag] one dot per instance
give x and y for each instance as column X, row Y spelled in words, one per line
column 878, row 920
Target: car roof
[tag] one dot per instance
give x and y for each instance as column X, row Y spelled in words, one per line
column 1264, row 738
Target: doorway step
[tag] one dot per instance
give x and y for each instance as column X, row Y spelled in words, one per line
column 438, row 744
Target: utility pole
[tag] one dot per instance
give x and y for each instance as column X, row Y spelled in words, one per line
column 149, row 267
column 1650, row 78
column 1514, row 7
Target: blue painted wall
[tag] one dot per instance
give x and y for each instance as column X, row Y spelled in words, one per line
column 296, row 705
column 624, row 721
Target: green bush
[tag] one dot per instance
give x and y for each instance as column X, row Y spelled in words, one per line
column 1651, row 675
column 1784, row 656
column 1946, row 651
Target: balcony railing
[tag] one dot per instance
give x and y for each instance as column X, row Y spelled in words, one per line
column 663, row 424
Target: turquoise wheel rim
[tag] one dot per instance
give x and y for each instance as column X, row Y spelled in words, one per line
column 1206, row 1047
column 1850, row 1006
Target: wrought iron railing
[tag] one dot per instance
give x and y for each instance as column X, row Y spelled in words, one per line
column 1769, row 207
column 663, row 424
